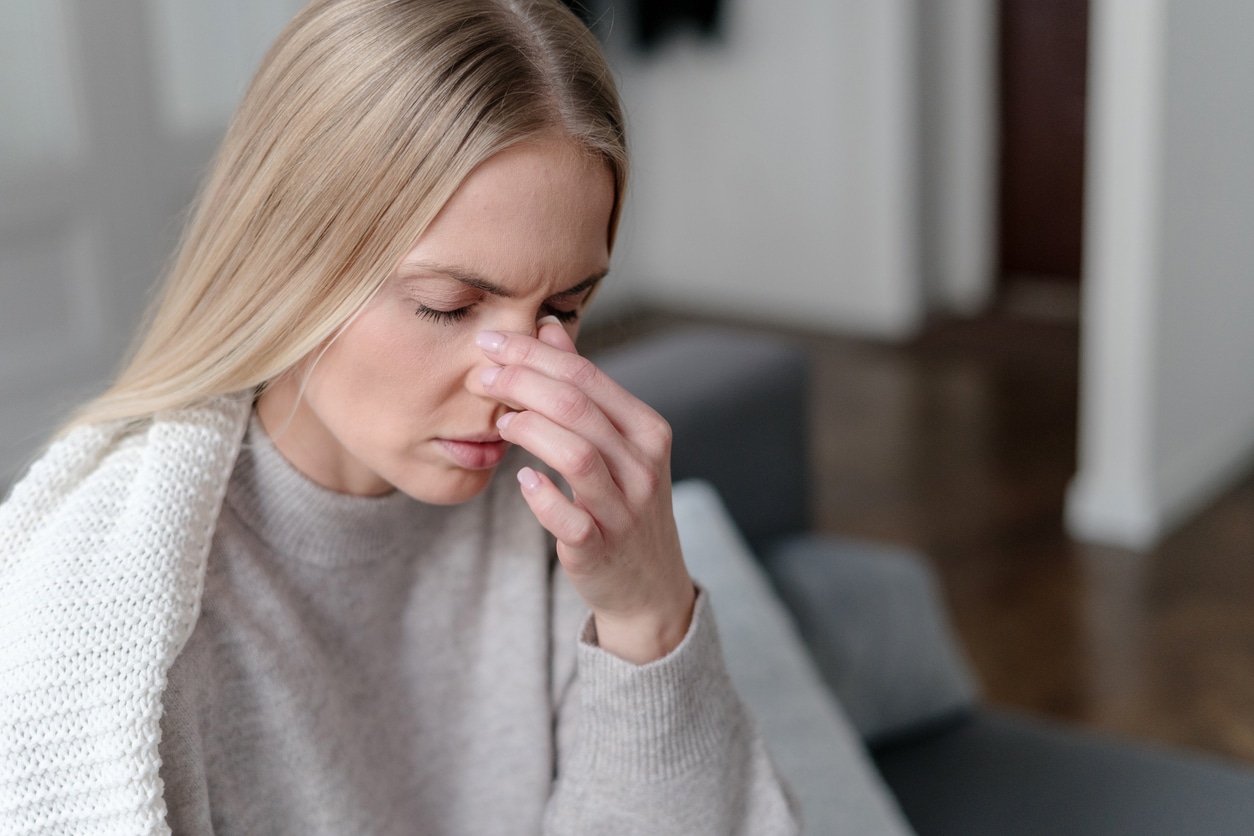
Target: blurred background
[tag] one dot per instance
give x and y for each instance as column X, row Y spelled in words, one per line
column 1014, row 235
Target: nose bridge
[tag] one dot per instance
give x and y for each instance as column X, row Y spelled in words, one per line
column 522, row 318
column 518, row 319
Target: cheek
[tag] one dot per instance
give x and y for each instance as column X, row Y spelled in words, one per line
column 387, row 361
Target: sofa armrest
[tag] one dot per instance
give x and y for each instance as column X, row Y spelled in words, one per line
column 817, row 752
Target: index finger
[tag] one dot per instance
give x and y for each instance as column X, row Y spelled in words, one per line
column 552, row 332
column 625, row 411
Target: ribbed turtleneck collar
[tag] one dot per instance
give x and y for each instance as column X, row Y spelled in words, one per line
column 299, row 519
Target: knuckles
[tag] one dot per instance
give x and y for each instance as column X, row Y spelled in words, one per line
column 656, row 437
column 571, row 406
column 579, row 459
column 581, row 372
column 520, row 351
column 565, row 366
column 505, row 379
column 582, row 534
column 645, row 478
column 650, row 481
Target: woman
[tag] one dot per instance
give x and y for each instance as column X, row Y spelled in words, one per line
column 280, row 576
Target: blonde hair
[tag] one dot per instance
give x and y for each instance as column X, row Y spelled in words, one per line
column 363, row 119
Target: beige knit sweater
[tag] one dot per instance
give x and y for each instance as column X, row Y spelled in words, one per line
column 103, row 550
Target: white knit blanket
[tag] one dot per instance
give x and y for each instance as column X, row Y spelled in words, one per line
column 103, row 548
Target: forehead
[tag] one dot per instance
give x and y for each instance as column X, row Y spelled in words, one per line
column 533, row 218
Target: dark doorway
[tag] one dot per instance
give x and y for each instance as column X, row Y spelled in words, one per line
column 1043, row 64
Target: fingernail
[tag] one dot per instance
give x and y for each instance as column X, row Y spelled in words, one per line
column 529, row 479
column 488, row 376
column 549, row 320
column 505, row 420
column 492, row 341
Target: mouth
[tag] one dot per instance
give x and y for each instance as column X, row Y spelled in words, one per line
column 476, row 452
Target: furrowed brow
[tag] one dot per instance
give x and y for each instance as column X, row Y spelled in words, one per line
column 413, row 269
column 586, row 284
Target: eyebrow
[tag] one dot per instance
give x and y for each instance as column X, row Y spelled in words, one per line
column 466, row 277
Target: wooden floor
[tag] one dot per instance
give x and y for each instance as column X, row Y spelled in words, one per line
column 961, row 445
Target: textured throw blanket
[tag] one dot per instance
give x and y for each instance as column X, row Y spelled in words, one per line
column 103, row 548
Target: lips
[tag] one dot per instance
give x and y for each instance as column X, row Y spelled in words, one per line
column 478, row 453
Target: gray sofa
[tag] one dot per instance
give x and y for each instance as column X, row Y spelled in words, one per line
column 878, row 637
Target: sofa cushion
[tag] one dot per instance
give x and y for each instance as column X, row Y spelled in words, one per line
column 875, row 624
column 997, row 773
column 817, row 751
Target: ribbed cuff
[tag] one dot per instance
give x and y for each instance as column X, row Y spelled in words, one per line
column 656, row 721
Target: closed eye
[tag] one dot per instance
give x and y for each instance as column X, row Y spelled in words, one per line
column 560, row 315
column 444, row 317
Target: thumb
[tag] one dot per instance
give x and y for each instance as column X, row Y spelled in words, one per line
column 552, row 333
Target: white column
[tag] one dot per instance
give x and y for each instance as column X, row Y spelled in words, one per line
column 1112, row 498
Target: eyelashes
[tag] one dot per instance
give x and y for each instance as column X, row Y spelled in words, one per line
column 443, row 317
column 561, row 316
column 458, row 314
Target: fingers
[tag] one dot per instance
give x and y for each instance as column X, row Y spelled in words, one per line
column 611, row 448
column 552, row 332
column 562, row 403
column 567, row 429
column 565, row 520
column 588, row 470
column 553, row 356
column 616, row 535
column 519, row 350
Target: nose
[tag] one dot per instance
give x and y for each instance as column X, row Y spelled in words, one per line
column 517, row 322
column 512, row 323
column 529, row 325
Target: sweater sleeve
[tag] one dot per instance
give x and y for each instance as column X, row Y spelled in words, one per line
column 662, row 748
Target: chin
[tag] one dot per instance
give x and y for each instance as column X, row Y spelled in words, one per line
column 450, row 487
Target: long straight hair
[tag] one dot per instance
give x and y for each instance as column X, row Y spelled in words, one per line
column 363, row 119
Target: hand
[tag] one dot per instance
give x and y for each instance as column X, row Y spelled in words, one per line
column 616, row 539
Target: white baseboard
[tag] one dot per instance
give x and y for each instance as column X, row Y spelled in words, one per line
column 1139, row 516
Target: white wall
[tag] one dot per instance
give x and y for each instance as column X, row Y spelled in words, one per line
column 958, row 148
column 1206, row 400
column 109, row 113
column 776, row 173
column 1167, row 397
